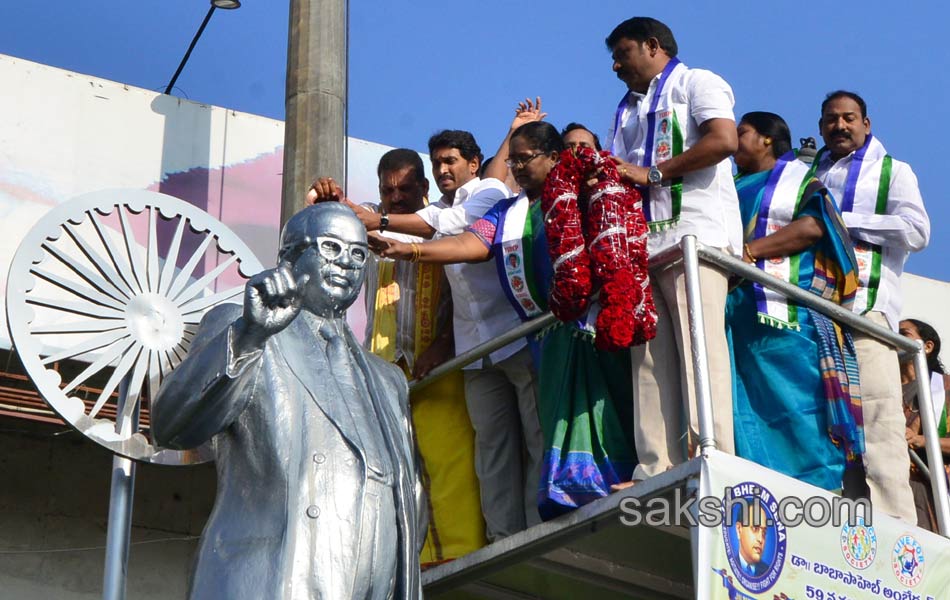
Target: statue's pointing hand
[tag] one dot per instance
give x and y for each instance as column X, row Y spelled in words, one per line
column 272, row 299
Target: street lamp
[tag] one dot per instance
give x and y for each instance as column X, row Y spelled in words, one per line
column 223, row 4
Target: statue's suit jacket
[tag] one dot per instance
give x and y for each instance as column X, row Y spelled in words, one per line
column 269, row 423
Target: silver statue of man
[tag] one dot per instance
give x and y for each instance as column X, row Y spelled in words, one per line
column 317, row 490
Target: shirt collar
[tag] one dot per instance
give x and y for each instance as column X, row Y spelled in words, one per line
column 462, row 193
column 827, row 161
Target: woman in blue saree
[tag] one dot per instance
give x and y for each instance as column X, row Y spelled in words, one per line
column 585, row 398
column 796, row 396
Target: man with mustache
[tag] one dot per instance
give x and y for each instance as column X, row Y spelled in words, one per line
column 882, row 208
column 672, row 136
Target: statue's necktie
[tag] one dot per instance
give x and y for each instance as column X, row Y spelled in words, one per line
column 340, row 359
column 356, row 398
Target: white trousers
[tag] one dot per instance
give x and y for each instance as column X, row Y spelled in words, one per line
column 664, row 412
column 886, row 461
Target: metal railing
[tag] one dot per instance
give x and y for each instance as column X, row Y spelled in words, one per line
column 690, row 252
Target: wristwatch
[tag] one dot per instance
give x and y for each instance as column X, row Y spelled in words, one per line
column 383, row 220
column 654, row 177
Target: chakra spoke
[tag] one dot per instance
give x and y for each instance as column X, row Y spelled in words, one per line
column 154, row 375
column 195, row 288
column 87, row 326
column 120, row 371
column 181, row 351
column 132, row 250
column 94, row 343
column 107, row 357
column 132, row 396
column 113, row 250
column 171, row 259
column 185, row 274
column 83, row 308
column 152, row 256
column 174, row 359
column 79, row 290
column 109, row 279
column 199, row 304
column 164, row 364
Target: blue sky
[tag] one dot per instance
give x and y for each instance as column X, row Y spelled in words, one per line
column 417, row 67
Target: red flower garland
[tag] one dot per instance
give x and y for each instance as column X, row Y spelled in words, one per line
column 613, row 246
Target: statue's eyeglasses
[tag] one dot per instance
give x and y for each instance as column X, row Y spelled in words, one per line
column 329, row 248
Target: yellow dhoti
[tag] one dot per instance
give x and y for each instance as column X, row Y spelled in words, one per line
column 443, row 430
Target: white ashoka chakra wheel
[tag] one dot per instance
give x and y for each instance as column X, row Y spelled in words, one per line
column 106, row 291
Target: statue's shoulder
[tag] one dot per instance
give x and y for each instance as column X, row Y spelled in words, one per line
column 218, row 318
column 225, row 310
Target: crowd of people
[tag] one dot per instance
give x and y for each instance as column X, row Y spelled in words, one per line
column 552, row 421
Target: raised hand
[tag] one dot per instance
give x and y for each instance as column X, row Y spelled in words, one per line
column 272, row 299
column 527, row 112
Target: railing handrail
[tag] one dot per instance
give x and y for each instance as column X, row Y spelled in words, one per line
column 854, row 321
column 690, row 251
column 483, row 350
column 834, row 311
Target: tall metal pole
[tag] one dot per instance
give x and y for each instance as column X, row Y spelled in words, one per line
column 121, row 494
column 315, row 130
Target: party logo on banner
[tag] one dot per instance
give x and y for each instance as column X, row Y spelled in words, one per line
column 858, row 544
column 907, row 560
column 754, row 537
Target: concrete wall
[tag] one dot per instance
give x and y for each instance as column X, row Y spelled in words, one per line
column 54, row 503
column 928, row 300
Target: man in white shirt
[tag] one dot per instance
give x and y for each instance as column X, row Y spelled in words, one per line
column 501, row 389
column 672, row 137
column 882, row 208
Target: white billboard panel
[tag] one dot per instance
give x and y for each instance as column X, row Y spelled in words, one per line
column 66, row 134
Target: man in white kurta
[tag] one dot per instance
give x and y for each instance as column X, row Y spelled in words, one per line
column 882, row 208
column 672, row 135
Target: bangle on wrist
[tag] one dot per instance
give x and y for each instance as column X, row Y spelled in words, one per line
column 748, row 253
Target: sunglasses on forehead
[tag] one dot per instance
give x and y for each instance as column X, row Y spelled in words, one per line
column 329, row 248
